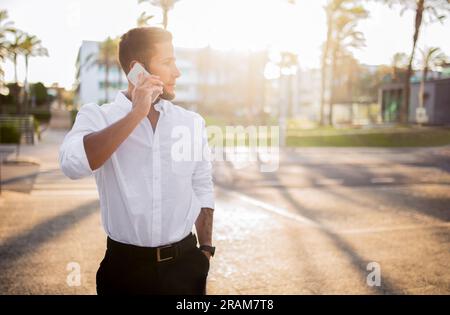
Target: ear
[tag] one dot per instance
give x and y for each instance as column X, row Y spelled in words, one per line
column 132, row 63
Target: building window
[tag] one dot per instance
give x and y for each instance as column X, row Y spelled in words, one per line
column 113, row 85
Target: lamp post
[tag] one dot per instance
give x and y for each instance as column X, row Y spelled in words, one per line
column 288, row 68
column 282, row 68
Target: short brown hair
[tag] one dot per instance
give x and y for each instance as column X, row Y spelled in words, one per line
column 139, row 44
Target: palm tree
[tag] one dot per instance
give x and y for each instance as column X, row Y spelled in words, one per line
column 432, row 58
column 31, row 47
column 333, row 9
column 6, row 27
column 330, row 9
column 15, row 48
column 165, row 5
column 143, row 19
column 116, row 63
column 399, row 61
column 427, row 11
column 289, row 61
column 344, row 37
column 105, row 58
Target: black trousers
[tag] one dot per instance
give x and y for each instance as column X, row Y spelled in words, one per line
column 129, row 269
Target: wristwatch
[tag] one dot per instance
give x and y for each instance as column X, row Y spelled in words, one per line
column 209, row 249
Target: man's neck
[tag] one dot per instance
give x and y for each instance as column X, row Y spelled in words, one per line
column 153, row 112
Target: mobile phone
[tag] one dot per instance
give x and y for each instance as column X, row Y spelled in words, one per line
column 133, row 77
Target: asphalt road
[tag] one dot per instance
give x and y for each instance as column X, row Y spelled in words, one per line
column 329, row 220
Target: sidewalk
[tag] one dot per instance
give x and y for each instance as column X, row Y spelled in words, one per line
column 47, row 224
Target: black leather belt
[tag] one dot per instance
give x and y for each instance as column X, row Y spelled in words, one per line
column 153, row 254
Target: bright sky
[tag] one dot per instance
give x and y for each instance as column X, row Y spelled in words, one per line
column 224, row 24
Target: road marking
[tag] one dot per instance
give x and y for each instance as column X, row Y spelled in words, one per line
column 392, row 229
column 382, row 180
column 329, row 182
column 310, row 223
column 280, row 211
column 64, row 187
column 64, row 192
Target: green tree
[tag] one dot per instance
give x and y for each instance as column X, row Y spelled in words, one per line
column 432, row 58
column 399, row 63
column 15, row 48
column 426, row 11
column 165, row 5
column 143, row 19
column 344, row 38
column 32, row 47
column 6, row 28
column 105, row 58
column 335, row 10
column 40, row 92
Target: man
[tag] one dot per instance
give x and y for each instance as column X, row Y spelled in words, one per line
column 150, row 199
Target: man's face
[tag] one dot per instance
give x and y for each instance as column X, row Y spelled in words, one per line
column 163, row 65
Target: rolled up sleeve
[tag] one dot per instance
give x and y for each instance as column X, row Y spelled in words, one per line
column 72, row 154
column 202, row 181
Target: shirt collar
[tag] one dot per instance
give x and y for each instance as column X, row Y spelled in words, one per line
column 161, row 106
column 123, row 102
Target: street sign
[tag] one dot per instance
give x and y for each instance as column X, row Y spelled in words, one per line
column 421, row 115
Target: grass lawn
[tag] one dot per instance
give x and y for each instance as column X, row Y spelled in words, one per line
column 369, row 137
column 389, row 137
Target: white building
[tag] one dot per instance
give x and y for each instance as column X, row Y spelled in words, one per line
column 308, row 89
column 90, row 77
column 186, row 91
column 213, row 79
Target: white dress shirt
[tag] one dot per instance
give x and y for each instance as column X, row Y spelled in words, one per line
column 147, row 198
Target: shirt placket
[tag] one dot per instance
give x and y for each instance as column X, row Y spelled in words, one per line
column 156, row 189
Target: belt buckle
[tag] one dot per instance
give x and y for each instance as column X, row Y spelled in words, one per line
column 158, row 254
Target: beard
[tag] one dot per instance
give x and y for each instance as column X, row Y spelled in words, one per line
column 167, row 96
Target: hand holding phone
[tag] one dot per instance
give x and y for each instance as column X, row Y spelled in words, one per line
column 134, row 74
column 147, row 88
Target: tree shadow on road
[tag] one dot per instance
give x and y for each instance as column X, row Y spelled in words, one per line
column 358, row 262
column 398, row 198
column 19, row 247
column 24, row 178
